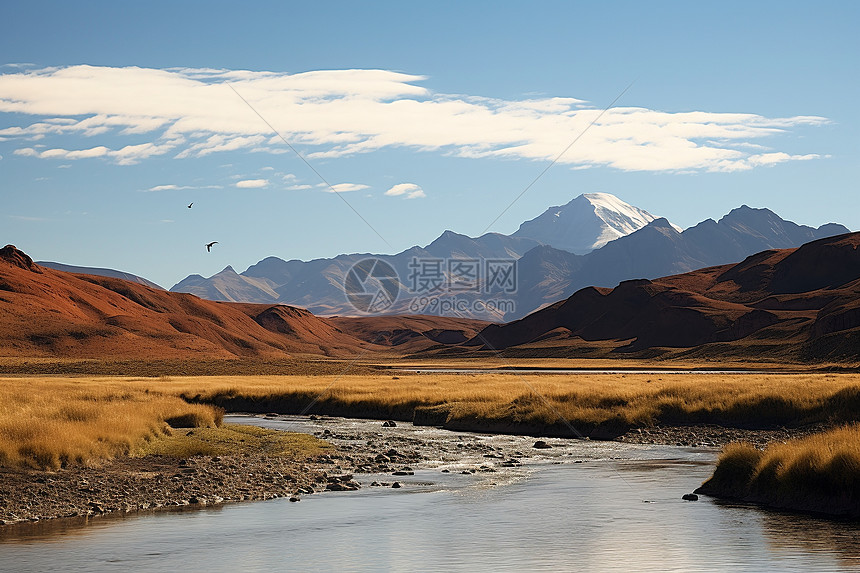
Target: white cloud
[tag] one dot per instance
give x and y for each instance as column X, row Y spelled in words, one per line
column 343, row 187
column 774, row 158
column 252, row 183
column 128, row 155
column 171, row 187
column 331, row 113
column 299, row 187
column 410, row 190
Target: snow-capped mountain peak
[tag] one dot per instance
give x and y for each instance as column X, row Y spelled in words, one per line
column 586, row 223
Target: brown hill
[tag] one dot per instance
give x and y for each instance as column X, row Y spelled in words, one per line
column 45, row 312
column 51, row 313
column 410, row 333
column 791, row 304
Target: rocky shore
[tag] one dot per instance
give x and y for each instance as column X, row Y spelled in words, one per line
column 715, row 436
column 125, row 485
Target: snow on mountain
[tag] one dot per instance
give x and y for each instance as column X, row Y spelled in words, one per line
column 586, row 223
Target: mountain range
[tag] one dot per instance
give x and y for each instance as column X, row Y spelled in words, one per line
column 318, row 285
column 796, row 305
column 595, row 239
column 784, row 306
column 658, row 249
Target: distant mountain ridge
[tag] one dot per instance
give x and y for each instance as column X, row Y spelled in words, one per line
column 645, row 247
column 659, row 250
column 318, row 284
column 100, row 273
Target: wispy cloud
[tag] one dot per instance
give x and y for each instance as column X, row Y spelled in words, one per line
column 127, row 155
column 25, row 218
column 408, row 190
column 252, row 183
column 171, row 187
column 332, row 113
column 343, row 187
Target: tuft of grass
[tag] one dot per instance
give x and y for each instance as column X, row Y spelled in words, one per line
column 232, row 439
column 818, row 473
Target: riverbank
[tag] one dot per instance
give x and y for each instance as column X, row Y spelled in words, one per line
column 187, row 467
column 61, row 434
column 594, row 405
column 158, row 482
column 124, row 485
column 819, row 473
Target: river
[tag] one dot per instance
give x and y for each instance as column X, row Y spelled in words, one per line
column 580, row 506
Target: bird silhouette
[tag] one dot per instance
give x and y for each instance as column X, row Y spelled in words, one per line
column 209, row 246
column 190, row 204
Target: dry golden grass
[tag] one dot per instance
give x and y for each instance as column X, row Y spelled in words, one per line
column 48, row 422
column 820, row 472
column 51, row 421
column 231, row 439
column 750, row 400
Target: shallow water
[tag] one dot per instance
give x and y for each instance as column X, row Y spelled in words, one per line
column 617, row 510
column 420, row 370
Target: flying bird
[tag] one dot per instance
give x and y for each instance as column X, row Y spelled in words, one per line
column 190, row 204
column 557, row 213
column 209, row 246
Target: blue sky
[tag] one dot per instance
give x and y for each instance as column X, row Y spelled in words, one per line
column 115, row 116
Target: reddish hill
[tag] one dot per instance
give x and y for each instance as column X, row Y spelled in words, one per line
column 410, row 333
column 796, row 304
column 44, row 312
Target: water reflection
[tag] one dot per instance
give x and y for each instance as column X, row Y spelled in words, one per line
column 790, row 532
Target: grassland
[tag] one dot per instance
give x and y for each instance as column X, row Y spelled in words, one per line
column 819, row 473
column 51, row 421
column 547, row 404
column 48, row 423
